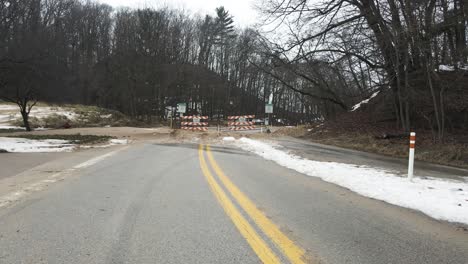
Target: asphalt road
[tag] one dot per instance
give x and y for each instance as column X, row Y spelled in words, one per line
column 15, row 163
column 180, row 203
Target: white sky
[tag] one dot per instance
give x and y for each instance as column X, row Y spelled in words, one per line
column 243, row 10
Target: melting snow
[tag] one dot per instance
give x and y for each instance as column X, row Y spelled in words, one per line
column 8, row 107
column 450, row 68
column 111, row 143
column 10, row 113
column 28, row 145
column 446, row 68
column 48, row 145
column 41, row 112
column 118, row 141
column 439, row 198
column 10, row 127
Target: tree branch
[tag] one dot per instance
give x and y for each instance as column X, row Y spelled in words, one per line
column 278, row 78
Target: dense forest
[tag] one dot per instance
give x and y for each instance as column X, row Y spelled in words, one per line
column 137, row 61
column 413, row 53
column 318, row 58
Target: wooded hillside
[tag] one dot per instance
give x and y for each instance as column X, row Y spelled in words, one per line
column 320, row 59
column 135, row 61
column 413, row 52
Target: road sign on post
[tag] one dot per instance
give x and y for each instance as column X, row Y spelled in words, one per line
column 269, row 111
column 181, row 108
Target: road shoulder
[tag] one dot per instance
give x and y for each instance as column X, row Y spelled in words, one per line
column 15, row 188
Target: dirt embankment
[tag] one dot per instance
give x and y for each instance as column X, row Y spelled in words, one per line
column 453, row 152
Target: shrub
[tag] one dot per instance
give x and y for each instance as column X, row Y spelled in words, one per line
column 33, row 122
column 55, row 121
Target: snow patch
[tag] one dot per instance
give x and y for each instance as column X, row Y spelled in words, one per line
column 118, row 141
column 5, row 120
column 446, row 68
column 451, row 68
column 8, row 107
column 41, row 129
column 10, row 127
column 229, row 139
column 112, row 142
column 10, row 113
column 357, row 106
column 28, row 145
column 439, row 198
column 41, row 112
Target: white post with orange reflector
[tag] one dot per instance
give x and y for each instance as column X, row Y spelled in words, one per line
column 411, row 156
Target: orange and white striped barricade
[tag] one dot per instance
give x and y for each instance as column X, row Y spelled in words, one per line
column 237, row 123
column 195, row 124
column 411, row 155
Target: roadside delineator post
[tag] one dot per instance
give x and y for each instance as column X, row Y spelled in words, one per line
column 411, row 156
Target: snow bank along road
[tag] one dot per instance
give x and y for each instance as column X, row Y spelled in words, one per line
column 188, row 203
column 442, row 199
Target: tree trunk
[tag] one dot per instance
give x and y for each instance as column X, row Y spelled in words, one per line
column 26, row 123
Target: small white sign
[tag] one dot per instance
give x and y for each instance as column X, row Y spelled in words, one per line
column 196, row 120
column 181, row 108
column 242, row 119
column 269, row 109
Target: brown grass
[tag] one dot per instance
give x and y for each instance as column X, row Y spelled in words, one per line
column 452, row 152
column 87, row 116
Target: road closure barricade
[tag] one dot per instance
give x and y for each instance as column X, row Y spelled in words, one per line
column 241, row 122
column 195, row 123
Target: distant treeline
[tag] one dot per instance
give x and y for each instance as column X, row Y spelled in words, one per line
column 138, row 61
column 320, row 59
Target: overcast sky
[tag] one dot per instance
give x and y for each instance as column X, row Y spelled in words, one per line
column 243, row 10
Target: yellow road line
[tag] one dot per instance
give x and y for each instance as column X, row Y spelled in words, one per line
column 258, row 245
column 293, row 252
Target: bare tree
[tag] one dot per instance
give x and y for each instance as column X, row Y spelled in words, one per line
column 16, row 84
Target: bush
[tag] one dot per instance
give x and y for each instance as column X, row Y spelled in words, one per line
column 33, row 122
column 55, row 121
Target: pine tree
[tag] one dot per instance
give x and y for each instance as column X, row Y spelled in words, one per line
column 224, row 26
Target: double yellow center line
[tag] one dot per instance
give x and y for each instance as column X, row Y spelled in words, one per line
column 292, row 252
